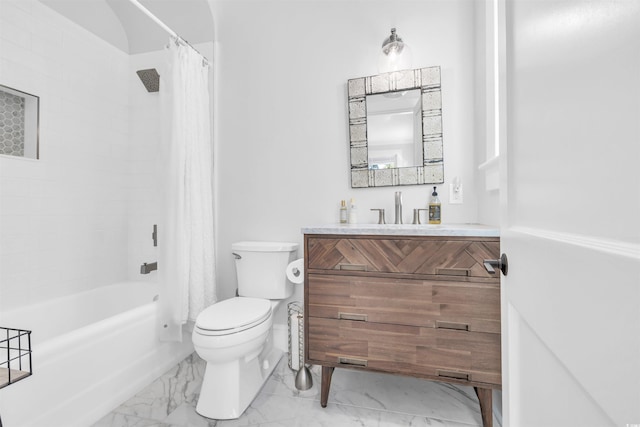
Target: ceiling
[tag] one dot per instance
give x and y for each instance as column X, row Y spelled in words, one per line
column 123, row 25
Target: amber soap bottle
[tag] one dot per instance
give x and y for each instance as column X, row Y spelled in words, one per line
column 434, row 208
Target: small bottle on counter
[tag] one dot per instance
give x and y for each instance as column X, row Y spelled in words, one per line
column 353, row 213
column 434, row 208
column 343, row 212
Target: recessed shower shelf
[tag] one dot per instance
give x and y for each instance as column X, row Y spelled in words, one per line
column 15, row 355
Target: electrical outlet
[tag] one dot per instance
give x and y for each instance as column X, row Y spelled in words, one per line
column 455, row 197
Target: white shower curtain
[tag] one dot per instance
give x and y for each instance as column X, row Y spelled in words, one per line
column 185, row 235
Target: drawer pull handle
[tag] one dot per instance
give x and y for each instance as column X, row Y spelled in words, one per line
column 352, row 361
column 352, row 267
column 452, row 325
column 453, row 374
column 453, row 271
column 352, row 316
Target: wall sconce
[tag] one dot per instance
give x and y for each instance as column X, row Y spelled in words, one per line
column 395, row 54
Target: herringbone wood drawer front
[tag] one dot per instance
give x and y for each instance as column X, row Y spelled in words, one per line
column 447, row 305
column 434, row 256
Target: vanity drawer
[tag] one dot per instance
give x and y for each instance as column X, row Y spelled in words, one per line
column 437, row 256
column 435, row 304
column 428, row 352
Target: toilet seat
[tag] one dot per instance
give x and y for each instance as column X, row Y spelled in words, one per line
column 233, row 315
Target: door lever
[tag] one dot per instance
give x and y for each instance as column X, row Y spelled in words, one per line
column 502, row 264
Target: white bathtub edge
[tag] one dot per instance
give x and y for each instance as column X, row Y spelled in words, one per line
column 160, row 360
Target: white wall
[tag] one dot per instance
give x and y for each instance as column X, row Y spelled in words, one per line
column 282, row 159
column 485, row 133
column 63, row 218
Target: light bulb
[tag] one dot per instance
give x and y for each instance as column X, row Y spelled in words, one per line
column 395, row 54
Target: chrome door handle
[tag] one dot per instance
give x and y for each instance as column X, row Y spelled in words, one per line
column 502, row 264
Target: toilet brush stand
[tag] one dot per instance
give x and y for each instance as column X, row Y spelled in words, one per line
column 304, row 381
column 303, row 378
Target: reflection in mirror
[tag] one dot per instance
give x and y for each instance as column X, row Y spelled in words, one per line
column 395, row 128
column 18, row 123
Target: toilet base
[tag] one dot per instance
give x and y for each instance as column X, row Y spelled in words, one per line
column 229, row 388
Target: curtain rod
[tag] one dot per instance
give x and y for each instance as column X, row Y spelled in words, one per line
column 164, row 26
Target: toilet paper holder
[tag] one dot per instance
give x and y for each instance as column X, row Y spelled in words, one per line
column 295, row 271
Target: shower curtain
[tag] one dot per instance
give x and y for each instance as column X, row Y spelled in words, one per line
column 186, row 240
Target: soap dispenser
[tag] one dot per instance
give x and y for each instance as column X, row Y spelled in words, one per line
column 434, row 208
column 353, row 213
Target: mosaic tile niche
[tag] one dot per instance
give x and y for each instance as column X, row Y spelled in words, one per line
column 12, row 124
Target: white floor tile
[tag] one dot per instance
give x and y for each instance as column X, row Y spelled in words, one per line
column 356, row 398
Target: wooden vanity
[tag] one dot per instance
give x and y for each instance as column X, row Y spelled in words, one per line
column 407, row 300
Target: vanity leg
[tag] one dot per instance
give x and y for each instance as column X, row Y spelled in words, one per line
column 327, row 372
column 486, row 405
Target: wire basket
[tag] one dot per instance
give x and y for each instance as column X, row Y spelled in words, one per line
column 295, row 321
column 15, row 355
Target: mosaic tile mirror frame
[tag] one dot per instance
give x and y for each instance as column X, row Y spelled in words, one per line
column 429, row 166
column 19, row 123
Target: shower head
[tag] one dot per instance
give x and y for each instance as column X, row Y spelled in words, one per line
column 150, row 79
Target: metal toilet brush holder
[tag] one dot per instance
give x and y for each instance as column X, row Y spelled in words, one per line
column 295, row 319
column 303, row 379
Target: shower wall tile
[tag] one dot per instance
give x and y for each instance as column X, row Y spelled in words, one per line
column 21, row 36
column 64, row 218
column 141, row 177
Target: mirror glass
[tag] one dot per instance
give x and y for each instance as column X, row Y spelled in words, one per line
column 394, row 136
column 395, row 127
column 18, row 123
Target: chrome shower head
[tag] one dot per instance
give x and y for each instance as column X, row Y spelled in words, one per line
column 150, row 79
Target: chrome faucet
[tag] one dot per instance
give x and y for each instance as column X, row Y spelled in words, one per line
column 398, row 207
column 381, row 219
column 416, row 215
column 148, row 268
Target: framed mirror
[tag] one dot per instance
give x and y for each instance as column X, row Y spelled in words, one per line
column 395, row 129
column 19, row 117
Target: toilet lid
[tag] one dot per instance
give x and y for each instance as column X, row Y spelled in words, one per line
column 234, row 315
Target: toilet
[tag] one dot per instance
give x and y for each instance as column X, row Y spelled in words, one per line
column 235, row 336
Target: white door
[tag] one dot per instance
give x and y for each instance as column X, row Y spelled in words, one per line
column 570, row 196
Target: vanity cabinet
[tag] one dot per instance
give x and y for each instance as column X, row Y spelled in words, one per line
column 423, row 306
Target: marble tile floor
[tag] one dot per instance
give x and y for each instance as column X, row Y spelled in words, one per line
column 363, row 399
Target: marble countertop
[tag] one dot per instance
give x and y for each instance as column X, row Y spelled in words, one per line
column 475, row 230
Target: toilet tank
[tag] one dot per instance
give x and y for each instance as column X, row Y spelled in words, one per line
column 261, row 268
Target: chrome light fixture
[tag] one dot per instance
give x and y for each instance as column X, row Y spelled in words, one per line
column 395, row 54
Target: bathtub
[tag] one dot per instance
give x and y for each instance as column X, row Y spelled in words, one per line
column 90, row 352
